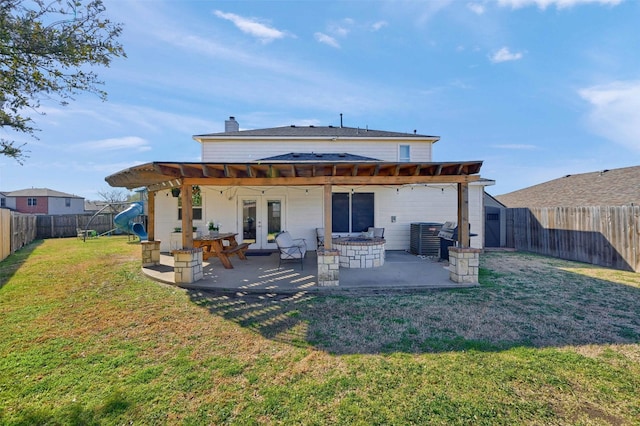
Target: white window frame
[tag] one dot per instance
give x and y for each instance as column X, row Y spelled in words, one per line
column 401, row 157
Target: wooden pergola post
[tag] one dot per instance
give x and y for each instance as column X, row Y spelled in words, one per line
column 463, row 214
column 151, row 213
column 187, row 216
column 328, row 224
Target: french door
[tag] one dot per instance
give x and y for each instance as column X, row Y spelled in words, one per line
column 262, row 217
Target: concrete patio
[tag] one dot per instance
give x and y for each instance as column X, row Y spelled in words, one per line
column 260, row 274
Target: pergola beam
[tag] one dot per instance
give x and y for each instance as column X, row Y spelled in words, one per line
column 333, row 180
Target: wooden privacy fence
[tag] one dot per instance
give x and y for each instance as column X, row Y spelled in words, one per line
column 59, row 226
column 604, row 236
column 16, row 231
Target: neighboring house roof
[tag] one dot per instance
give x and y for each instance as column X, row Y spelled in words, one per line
column 615, row 187
column 316, row 131
column 39, row 192
column 317, row 156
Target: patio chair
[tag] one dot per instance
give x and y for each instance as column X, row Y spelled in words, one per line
column 291, row 249
column 377, row 232
column 320, row 237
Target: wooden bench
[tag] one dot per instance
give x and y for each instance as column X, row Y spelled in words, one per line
column 238, row 250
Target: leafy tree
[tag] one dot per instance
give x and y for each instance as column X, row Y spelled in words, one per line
column 46, row 50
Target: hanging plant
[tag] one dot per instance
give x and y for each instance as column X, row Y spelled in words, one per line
column 175, row 192
column 196, row 195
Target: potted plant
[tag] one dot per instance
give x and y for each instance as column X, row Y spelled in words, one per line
column 213, row 228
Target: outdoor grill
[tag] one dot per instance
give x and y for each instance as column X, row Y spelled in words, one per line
column 449, row 237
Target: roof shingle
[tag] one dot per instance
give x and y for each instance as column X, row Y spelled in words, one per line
column 615, row 187
column 39, row 192
column 317, row 131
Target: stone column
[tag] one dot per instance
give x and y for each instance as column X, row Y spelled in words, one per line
column 187, row 265
column 464, row 263
column 150, row 253
column 328, row 267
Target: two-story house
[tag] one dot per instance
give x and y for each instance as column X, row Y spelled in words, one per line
column 299, row 178
column 42, row 201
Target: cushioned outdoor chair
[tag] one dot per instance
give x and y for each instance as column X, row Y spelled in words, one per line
column 291, row 249
column 320, row 237
column 377, row 232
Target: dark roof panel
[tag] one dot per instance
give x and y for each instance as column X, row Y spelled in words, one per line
column 39, row 192
column 318, row 156
column 317, row 131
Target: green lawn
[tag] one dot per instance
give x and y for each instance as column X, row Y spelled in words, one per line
column 86, row 339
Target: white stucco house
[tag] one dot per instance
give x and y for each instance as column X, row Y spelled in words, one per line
column 299, row 178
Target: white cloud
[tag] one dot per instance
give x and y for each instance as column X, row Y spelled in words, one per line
column 340, row 31
column 476, row 8
column 505, row 55
column 379, row 25
column 252, row 27
column 127, row 143
column 615, row 112
column 326, row 39
column 560, row 4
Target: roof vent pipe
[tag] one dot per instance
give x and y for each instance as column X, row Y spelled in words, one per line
column 231, row 125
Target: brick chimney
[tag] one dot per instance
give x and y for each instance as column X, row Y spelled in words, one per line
column 231, row 125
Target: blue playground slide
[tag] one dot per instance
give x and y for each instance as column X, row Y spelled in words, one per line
column 124, row 220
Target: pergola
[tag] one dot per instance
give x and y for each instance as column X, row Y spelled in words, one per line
column 158, row 176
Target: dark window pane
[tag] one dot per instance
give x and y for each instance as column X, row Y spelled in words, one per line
column 340, row 212
column 196, row 212
column 362, row 211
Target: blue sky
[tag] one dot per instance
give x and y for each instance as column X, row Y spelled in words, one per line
column 537, row 89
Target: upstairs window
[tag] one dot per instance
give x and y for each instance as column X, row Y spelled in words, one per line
column 404, row 153
column 196, row 207
column 67, row 202
column 32, row 201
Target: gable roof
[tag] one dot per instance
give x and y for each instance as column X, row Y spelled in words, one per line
column 294, row 131
column 39, row 192
column 318, row 156
column 615, row 187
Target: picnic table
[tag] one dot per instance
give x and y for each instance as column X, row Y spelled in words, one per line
column 214, row 246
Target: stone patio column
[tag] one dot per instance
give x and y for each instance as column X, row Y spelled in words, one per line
column 150, row 253
column 328, row 267
column 187, row 265
column 464, row 263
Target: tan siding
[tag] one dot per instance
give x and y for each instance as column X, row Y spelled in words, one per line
column 305, row 213
column 239, row 151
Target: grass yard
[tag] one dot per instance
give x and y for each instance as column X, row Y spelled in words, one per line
column 86, row 339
